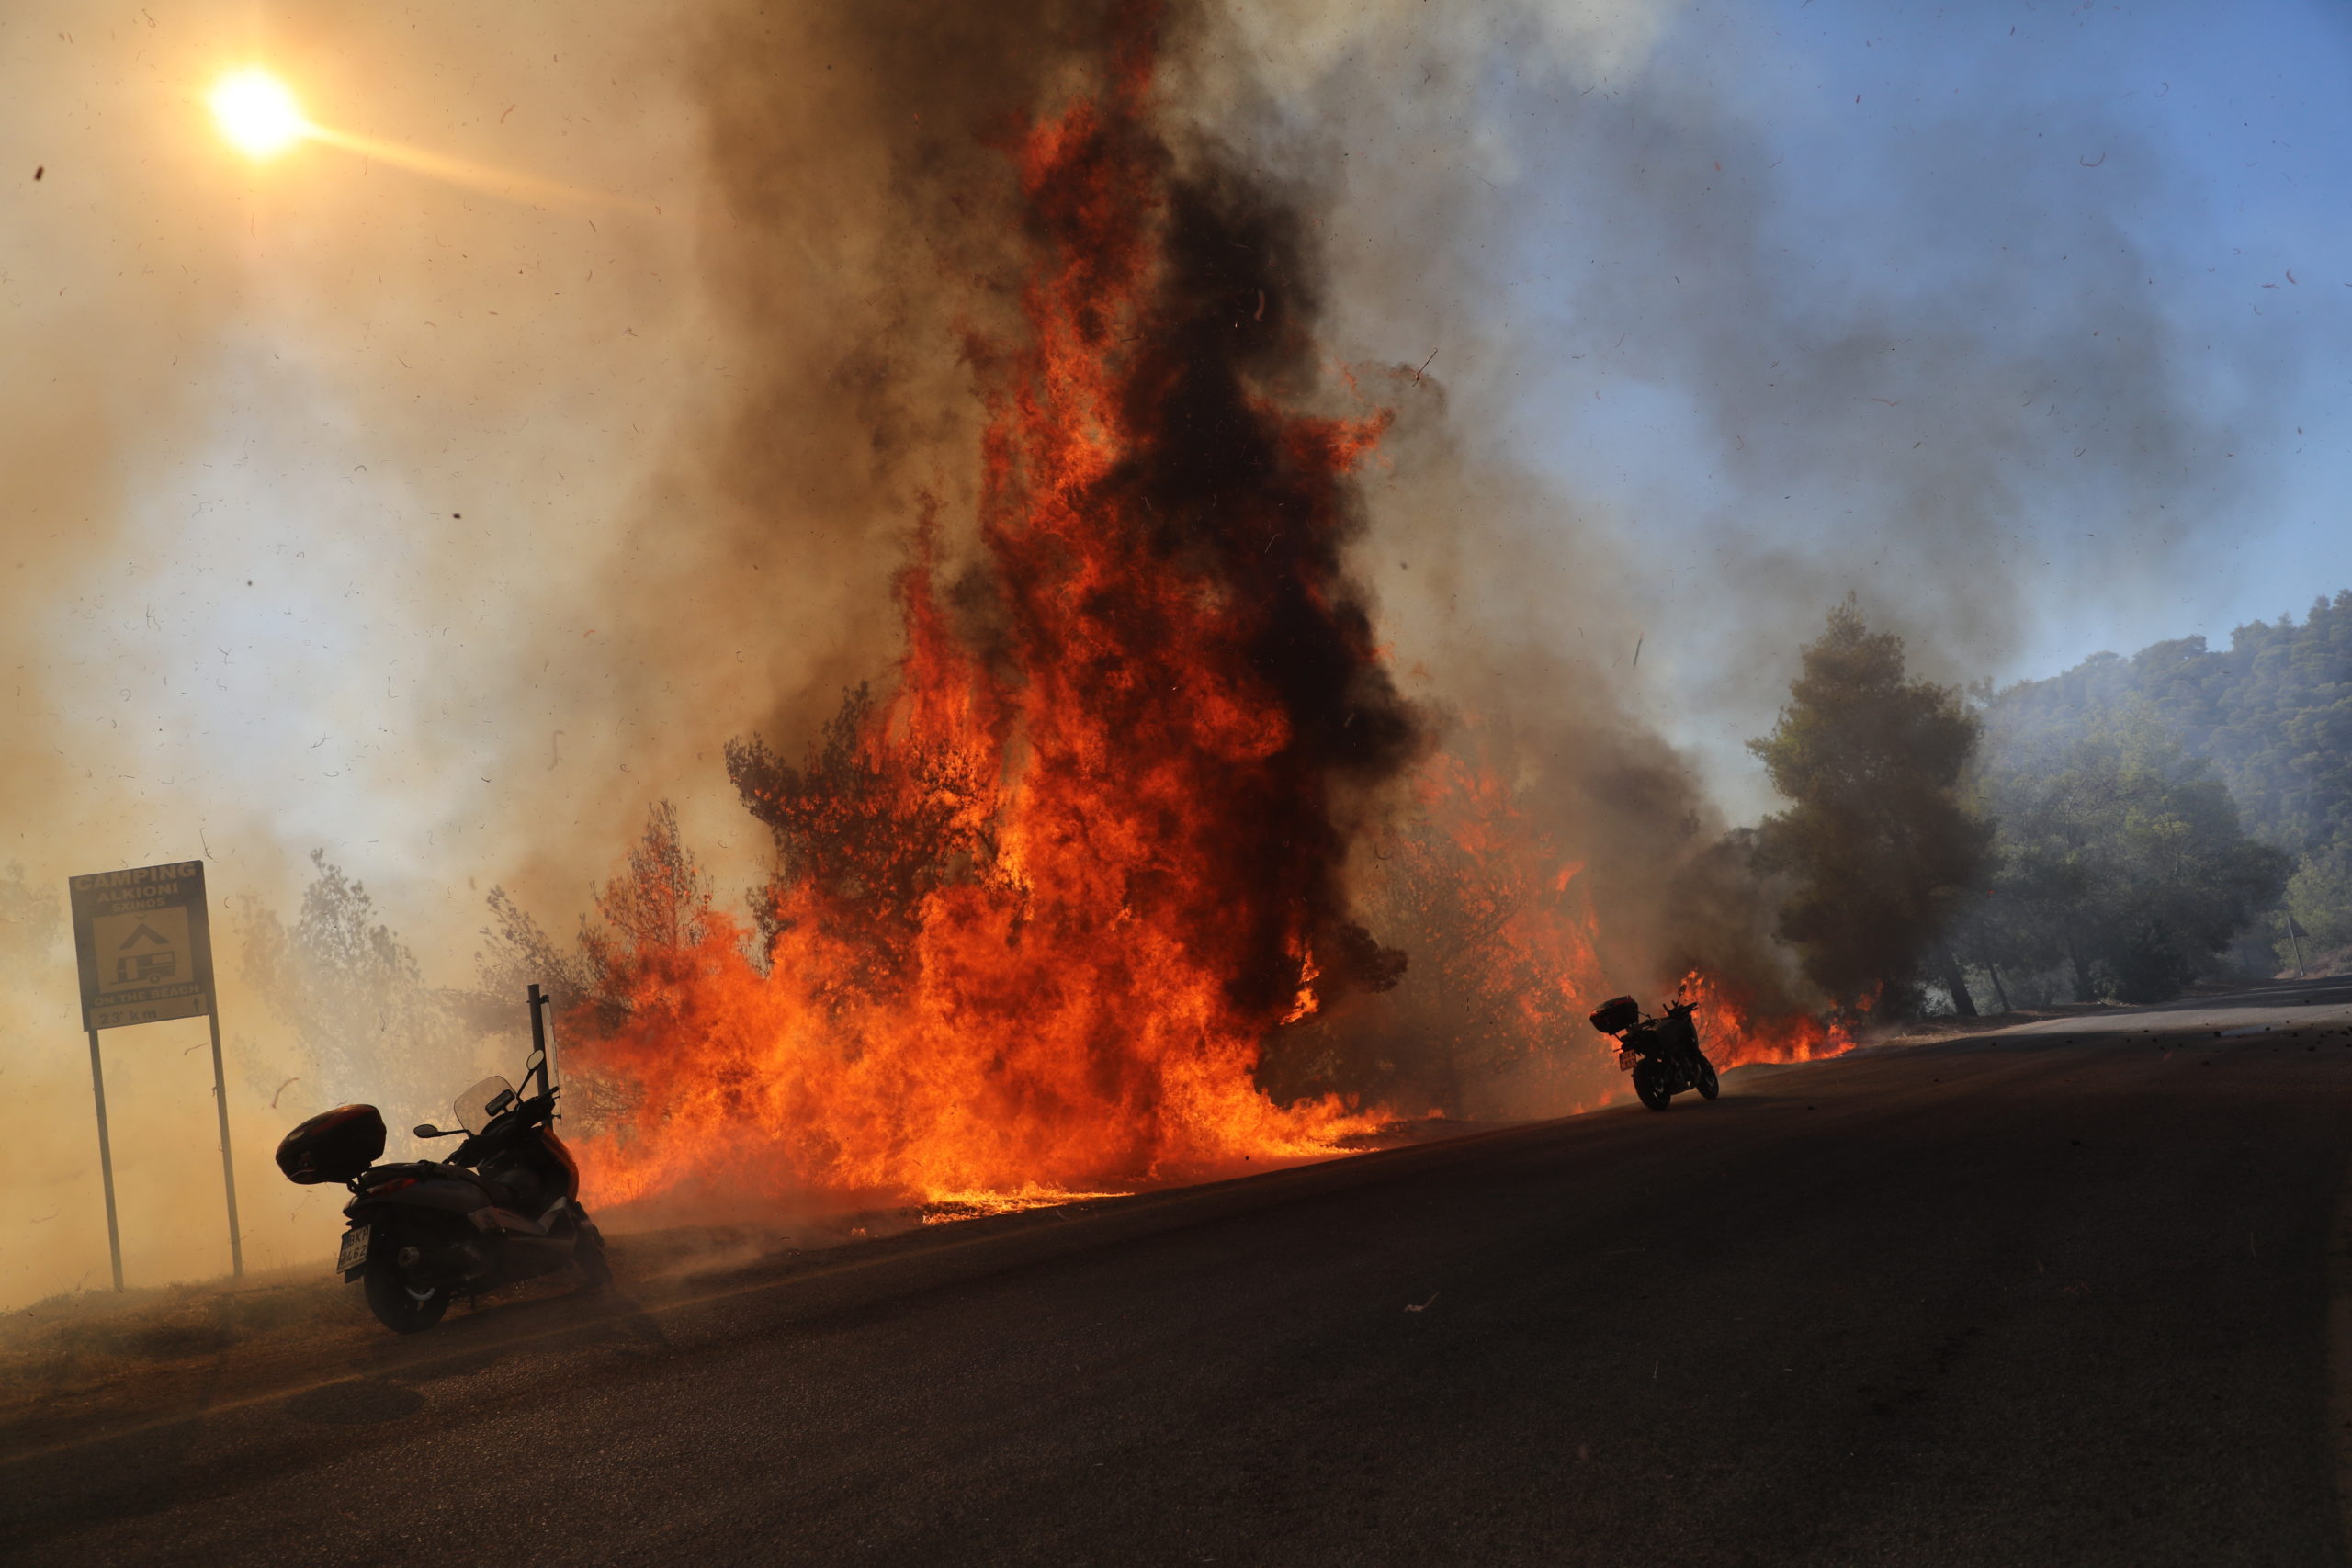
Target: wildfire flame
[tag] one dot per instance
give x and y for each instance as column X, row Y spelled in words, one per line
column 1736, row 1032
column 1043, row 906
column 1115, row 841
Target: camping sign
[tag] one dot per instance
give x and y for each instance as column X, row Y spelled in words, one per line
column 145, row 945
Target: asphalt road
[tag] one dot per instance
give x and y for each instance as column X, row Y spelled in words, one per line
column 2056, row 1297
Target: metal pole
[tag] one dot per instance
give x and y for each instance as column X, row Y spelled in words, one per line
column 228, row 1170
column 555, row 1064
column 106, row 1158
column 2297, row 946
column 538, row 1001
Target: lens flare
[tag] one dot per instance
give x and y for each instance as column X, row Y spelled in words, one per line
column 256, row 113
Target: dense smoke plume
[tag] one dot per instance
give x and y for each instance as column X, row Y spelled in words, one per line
column 356, row 513
column 1928, row 346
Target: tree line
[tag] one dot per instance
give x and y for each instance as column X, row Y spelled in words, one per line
column 2119, row 832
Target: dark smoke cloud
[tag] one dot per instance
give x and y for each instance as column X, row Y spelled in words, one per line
column 1762, row 345
column 929, row 205
column 865, row 245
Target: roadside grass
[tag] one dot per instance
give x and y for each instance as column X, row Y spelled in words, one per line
column 61, row 1353
column 88, row 1337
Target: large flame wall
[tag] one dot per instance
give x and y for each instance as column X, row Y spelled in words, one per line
column 1155, row 738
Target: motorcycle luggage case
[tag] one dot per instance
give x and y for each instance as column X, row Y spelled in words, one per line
column 334, row 1145
column 1617, row 1015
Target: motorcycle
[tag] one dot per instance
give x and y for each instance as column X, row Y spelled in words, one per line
column 1661, row 1052
column 503, row 1207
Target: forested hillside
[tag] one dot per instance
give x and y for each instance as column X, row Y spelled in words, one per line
column 2269, row 718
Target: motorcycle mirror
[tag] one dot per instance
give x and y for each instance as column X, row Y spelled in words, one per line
column 427, row 1130
column 538, row 1060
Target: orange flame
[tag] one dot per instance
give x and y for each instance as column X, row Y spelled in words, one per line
column 1143, row 849
column 1051, row 899
column 1734, row 1032
column 1502, row 925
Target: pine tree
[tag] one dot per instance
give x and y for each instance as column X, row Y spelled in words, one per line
column 1877, row 847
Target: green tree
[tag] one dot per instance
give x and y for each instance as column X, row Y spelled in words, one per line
column 2272, row 714
column 2123, row 854
column 1877, row 847
column 2319, row 899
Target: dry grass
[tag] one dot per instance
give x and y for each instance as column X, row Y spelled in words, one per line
column 2322, row 965
column 90, row 1350
column 95, row 1336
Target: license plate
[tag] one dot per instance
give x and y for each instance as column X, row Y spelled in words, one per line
column 354, row 1249
column 1625, row 1060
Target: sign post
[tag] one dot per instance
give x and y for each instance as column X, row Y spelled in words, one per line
column 106, row 1158
column 143, row 941
column 543, row 1035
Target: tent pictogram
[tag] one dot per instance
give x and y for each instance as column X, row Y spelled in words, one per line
column 145, row 968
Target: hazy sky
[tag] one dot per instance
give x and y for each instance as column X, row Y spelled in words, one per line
column 1984, row 312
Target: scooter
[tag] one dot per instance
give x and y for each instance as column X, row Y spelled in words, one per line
column 504, row 1206
column 1661, row 1052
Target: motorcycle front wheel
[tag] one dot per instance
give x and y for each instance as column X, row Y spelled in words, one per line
column 1708, row 1086
column 399, row 1305
column 1649, row 1082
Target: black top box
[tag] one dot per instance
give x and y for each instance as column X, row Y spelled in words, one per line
column 334, row 1145
column 1617, row 1015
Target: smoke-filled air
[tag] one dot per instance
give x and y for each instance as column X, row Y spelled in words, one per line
column 1072, row 595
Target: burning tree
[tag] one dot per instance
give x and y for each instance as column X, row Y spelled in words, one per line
column 866, row 831
column 1066, row 899
column 1037, row 907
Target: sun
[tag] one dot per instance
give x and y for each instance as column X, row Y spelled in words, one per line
column 257, row 114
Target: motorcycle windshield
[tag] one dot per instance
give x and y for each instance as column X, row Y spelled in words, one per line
column 473, row 1108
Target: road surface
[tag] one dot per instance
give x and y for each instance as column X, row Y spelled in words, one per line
column 2057, row 1296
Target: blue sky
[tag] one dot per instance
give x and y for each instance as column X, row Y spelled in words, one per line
column 2025, row 323
column 2028, row 177
column 2093, row 255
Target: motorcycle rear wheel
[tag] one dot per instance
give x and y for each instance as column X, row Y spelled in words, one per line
column 588, row 1257
column 1649, row 1082
column 397, row 1305
column 1708, row 1084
